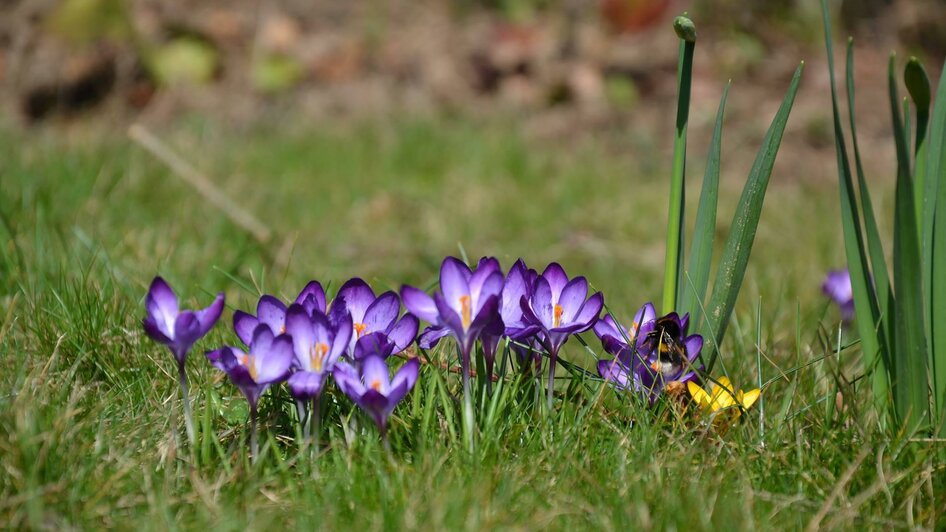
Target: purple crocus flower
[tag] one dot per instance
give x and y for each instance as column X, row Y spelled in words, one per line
column 267, row 362
column 623, row 344
column 167, row 324
column 558, row 308
column 317, row 345
column 519, row 282
column 373, row 390
column 369, row 315
column 272, row 312
column 837, row 286
column 666, row 354
column 467, row 303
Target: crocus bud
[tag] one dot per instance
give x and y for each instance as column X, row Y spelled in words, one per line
column 685, row 28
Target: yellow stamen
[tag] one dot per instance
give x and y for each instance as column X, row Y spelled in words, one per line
column 557, row 315
column 360, row 329
column 317, row 356
column 465, row 311
column 376, row 385
column 249, row 362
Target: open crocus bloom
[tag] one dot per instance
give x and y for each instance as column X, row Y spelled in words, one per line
column 837, row 286
column 370, row 314
column 267, row 362
column 558, row 307
column 272, row 312
column 722, row 396
column 373, row 390
column 518, row 284
column 467, row 303
column 317, row 345
column 666, row 353
column 177, row 329
column 618, row 341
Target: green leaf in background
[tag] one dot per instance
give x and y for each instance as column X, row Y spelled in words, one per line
column 85, row 21
column 673, row 261
column 910, row 385
column 935, row 241
column 878, row 262
column 693, row 293
column 873, row 337
column 735, row 258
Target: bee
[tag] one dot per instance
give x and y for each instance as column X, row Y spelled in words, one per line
column 671, row 354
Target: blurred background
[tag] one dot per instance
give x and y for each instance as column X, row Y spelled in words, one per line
column 372, row 137
column 567, row 63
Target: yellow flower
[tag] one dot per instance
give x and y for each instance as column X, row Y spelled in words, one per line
column 723, row 396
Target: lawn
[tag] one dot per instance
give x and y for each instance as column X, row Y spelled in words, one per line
column 90, row 427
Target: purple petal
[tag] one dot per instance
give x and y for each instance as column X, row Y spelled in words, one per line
column 513, row 290
column 376, row 344
column 244, row 324
column 448, row 316
column 419, row 304
column 541, row 304
column 273, row 365
column 299, row 327
column 341, row 342
column 216, row 358
column 186, row 332
column 153, row 331
column 348, row 381
column 306, row 384
column 358, row 296
column 403, row 332
column 431, row 336
column 272, row 312
column 572, row 297
column 492, row 286
column 454, row 281
column 262, row 340
column 315, row 291
column 381, row 313
column 161, row 306
column 588, row 313
column 483, row 279
column 407, row 374
column 556, row 277
column 374, row 373
column 377, row 405
column 208, row 317
column 614, row 371
column 693, row 343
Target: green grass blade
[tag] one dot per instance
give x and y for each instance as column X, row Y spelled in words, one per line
column 910, row 388
column 673, row 261
column 701, row 249
column 865, row 302
column 878, row 262
column 735, row 258
column 934, row 222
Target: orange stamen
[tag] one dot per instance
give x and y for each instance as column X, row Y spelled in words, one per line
column 557, row 316
column 317, row 356
column 360, row 329
column 465, row 311
column 376, row 385
column 249, row 362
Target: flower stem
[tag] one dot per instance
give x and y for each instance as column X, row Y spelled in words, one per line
column 301, row 412
column 468, row 419
column 254, row 444
column 185, row 398
column 313, row 427
column 553, row 360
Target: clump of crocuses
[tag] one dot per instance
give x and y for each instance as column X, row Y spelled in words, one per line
column 350, row 340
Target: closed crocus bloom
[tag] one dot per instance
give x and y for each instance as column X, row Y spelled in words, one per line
column 837, row 286
column 370, row 314
column 271, row 312
column 165, row 322
column 373, row 390
column 518, row 284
